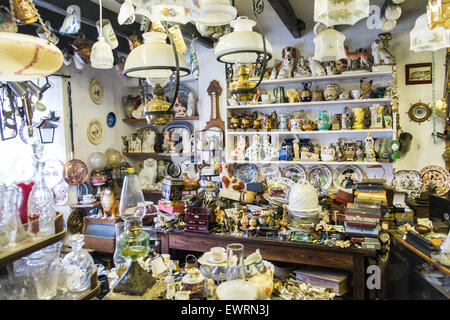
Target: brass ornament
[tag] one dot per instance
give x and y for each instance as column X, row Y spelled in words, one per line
column 24, row 12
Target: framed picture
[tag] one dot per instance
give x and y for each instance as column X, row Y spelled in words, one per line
column 419, row 73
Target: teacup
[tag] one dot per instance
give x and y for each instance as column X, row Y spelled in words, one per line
column 88, row 198
column 218, row 253
column 71, row 24
column 355, row 94
column 126, row 13
column 108, row 33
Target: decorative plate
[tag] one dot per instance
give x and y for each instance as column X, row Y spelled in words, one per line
column 294, row 172
column 435, row 176
column 95, row 131
column 83, row 189
column 248, row 173
column 97, row 91
column 320, row 177
column 53, row 171
column 75, row 221
column 278, row 193
column 183, row 93
column 75, row 172
column 269, row 172
column 346, row 176
column 178, row 124
column 60, row 194
column 408, row 181
column 23, row 132
column 111, row 119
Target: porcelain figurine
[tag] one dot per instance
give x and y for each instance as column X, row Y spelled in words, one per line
column 167, row 141
column 381, row 56
column 331, row 68
column 191, row 105
column 362, row 57
column 108, row 202
column 293, row 95
column 302, row 69
column 135, row 145
column 148, row 174
column 328, row 153
column 287, row 67
column 187, row 141
column 369, row 151
column 331, row 92
column 339, row 150
column 179, row 108
column 384, row 153
column 359, row 154
column 125, row 143
column 238, row 152
column 366, row 89
column 367, row 118
column 284, row 121
column 253, row 152
column 270, row 151
column 296, row 150
column 359, row 118
column 148, row 144
column 316, row 68
column 228, row 181
column 348, row 119
column 306, row 94
column 324, row 121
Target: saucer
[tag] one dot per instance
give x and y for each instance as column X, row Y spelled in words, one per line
column 88, row 202
column 206, row 259
column 210, row 259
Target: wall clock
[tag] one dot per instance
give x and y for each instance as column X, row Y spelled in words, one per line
column 95, row 131
column 419, row 112
column 97, row 91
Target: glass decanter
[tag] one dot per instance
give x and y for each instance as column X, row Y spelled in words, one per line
column 77, row 266
column 133, row 242
column 41, row 203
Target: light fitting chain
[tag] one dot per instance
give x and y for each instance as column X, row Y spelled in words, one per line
column 48, row 34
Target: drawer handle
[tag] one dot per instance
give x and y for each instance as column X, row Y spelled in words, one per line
column 196, row 217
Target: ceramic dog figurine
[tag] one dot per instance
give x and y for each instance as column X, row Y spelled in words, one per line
column 270, row 151
column 302, row 69
column 287, row 67
column 253, row 153
column 238, row 152
column 228, row 181
column 363, row 56
column 366, row 89
column 316, row 68
column 381, row 56
column 148, row 144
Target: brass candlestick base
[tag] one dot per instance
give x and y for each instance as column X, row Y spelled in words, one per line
column 135, row 281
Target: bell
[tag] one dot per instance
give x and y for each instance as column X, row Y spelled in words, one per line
column 24, row 12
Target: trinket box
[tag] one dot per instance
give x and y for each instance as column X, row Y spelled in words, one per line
column 199, row 220
column 172, row 189
column 171, row 207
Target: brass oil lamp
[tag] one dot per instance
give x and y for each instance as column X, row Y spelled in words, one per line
column 157, row 110
column 242, row 88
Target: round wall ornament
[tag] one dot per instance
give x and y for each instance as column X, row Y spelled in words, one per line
column 95, row 131
column 97, row 91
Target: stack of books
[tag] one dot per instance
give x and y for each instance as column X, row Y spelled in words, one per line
column 362, row 217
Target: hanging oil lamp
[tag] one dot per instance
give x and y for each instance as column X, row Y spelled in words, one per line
column 156, row 111
column 241, row 87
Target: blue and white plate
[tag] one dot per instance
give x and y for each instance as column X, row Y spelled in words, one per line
column 247, row 173
column 83, row 189
column 111, row 119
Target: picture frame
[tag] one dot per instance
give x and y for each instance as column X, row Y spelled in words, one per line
column 418, row 73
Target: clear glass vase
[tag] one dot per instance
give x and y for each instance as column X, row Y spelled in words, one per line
column 77, row 266
column 235, row 262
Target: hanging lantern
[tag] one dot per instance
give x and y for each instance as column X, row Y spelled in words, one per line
column 438, row 13
column 329, row 46
column 422, row 38
column 47, row 128
column 101, row 53
column 333, row 12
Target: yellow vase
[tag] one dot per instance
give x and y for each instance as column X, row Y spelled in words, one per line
column 359, row 118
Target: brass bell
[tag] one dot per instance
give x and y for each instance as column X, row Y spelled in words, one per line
column 24, row 12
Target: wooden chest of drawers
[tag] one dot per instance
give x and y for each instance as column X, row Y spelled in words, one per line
column 199, row 220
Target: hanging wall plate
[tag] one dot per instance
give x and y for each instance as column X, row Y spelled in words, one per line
column 95, row 131
column 97, row 91
column 111, row 119
column 419, row 112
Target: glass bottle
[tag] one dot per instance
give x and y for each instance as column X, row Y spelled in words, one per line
column 77, row 266
column 134, row 242
column 41, row 203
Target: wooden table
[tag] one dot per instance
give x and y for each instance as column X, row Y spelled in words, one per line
column 349, row 259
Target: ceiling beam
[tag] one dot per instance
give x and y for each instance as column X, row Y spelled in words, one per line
column 287, row 15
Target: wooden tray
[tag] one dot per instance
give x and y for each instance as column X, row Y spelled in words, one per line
column 29, row 245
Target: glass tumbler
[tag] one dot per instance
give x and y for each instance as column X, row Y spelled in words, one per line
column 45, row 273
column 235, row 262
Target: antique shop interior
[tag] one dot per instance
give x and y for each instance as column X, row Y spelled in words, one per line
column 224, row 150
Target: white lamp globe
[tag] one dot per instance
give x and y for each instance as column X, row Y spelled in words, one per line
column 97, row 160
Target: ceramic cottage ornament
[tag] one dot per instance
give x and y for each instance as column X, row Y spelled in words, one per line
column 270, row 151
column 147, row 176
column 253, row 152
column 148, row 144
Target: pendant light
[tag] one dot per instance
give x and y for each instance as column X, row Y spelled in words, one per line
column 422, row 38
column 101, row 53
column 329, row 46
column 333, row 12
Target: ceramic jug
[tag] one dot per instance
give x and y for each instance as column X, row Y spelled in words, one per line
column 331, row 92
column 284, row 121
column 324, row 121
column 278, row 92
column 306, row 94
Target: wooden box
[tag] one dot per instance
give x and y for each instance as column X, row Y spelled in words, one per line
column 172, row 189
column 166, row 207
column 99, row 234
column 199, row 220
column 336, row 280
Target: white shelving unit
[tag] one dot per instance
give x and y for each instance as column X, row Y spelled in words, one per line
column 333, row 106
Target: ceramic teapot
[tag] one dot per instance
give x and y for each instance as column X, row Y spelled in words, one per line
column 331, row 92
column 306, row 94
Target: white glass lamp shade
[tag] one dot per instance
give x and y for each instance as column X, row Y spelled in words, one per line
column 172, row 11
column 154, row 59
column 329, row 46
column 422, row 38
column 101, row 54
column 97, row 160
column 333, row 12
column 216, row 12
column 242, row 45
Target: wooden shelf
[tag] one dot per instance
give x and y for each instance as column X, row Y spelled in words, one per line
column 312, row 103
column 174, row 119
column 30, row 245
column 317, row 132
column 357, row 163
column 342, row 76
column 139, row 154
